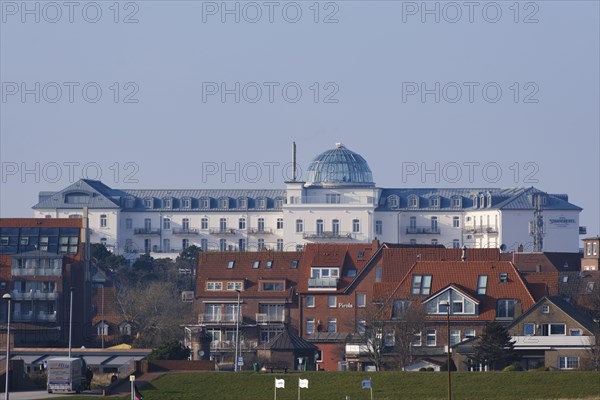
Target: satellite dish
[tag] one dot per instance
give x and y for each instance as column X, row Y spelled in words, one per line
column 502, row 247
column 201, row 353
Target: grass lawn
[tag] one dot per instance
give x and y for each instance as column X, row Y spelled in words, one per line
column 386, row 386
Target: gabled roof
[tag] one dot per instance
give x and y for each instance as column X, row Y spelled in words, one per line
column 100, row 196
column 465, row 292
column 544, row 262
column 286, row 340
column 541, row 284
column 465, row 274
column 563, row 305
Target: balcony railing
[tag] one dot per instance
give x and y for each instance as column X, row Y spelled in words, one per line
column 422, row 230
column 185, row 231
column 16, row 271
column 482, row 229
column 323, row 283
column 327, row 235
column 257, row 231
column 552, row 341
column 356, row 200
column 266, row 319
column 230, row 345
column 217, row 231
column 218, row 319
column 37, row 295
column 30, row 317
column 146, row 231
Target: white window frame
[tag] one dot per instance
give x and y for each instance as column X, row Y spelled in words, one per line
column 428, row 335
column 332, row 302
column 361, row 300
column 526, row 325
column 214, row 286
column 563, row 362
column 310, row 302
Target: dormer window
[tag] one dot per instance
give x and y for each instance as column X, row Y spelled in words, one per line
column 393, row 201
column 489, row 200
column 167, row 202
column 481, row 201
column 434, row 202
column 149, row 202
column 474, row 199
column 456, row 201
column 223, row 202
column 243, row 203
column 413, row 201
column 77, row 198
column 279, row 202
column 186, row 203
column 261, row 203
column 503, row 278
column 129, row 202
column 205, row 202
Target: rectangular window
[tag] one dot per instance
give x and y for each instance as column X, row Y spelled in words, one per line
column 332, row 302
column 230, row 264
column 482, row 284
column 310, row 326
column 575, row 332
column 204, row 244
column 355, row 226
column 568, row 362
column 528, row 329
column 186, row 203
column 204, row 223
column 299, row 226
column 294, row 264
column 456, row 244
column 310, row 301
column 261, row 224
column 185, row 224
column 545, row 309
column 234, row 286
column 416, row 341
column 261, row 244
column 456, row 222
column 503, row 277
column 279, row 223
column 269, row 264
column 166, row 223
column 361, row 300
column 148, row 203
column 506, row 308
column 242, row 244
column 361, row 326
column 255, row 264
column 469, row 333
column 588, row 248
column 430, row 338
column 279, row 244
column 214, row 285
column 421, row 284
column 223, row 224
column 242, row 223
column 378, row 274
column 103, row 221
column 332, row 198
column 272, row 286
column 595, row 248
column 128, row 223
column 379, row 227
column 331, row 325
column 223, row 244
column 167, row 245
column 454, row 336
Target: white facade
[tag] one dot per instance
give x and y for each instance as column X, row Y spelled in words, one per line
column 339, row 206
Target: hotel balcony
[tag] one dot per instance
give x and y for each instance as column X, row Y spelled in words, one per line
column 217, row 231
column 256, row 231
column 37, row 295
column 41, row 316
column 18, row 271
column 422, row 230
column 223, row 319
column 266, row 319
column 185, row 231
column 327, row 235
column 229, row 345
column 482, row 229
column 146, row 231
column 323, row 283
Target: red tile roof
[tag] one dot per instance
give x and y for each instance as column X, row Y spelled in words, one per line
column 465, row 274
column 541, row 283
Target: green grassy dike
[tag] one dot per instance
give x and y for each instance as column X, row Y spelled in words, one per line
column 386, row 386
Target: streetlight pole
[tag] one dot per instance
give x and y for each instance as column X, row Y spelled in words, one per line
column 70, row 322
column 7, row 297
column 237, row 332
column 447, row 304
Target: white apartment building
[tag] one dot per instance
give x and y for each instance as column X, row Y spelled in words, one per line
column 338, row 202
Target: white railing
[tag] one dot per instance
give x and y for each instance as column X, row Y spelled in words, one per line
column 217, row 319
column 16, row 271
column 263, row 319
column 552, row 341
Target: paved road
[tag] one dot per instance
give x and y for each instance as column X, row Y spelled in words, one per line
column 40, row 394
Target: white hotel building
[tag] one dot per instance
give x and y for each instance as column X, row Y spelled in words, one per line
column 339, row 202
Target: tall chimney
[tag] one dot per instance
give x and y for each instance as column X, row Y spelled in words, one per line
column 293, row 161
column 463, row 256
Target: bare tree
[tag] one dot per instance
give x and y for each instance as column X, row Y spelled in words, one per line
column 156, row 311
column 388, row 332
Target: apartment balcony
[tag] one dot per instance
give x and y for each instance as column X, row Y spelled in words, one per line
column 29, row 316
column 223, row 319
column 323, row 283
column 185, row 231
column 548, row 342
column 217, row 231
column 266, row 319
column 46, row 317
column 327, row 235
column 37, row 295
column 257, row 231
column 146, row 231
column 229, row 345
column 422, row 230
column 482, row 230
column 17, row 271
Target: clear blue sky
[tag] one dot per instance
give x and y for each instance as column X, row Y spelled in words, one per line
column 372, row 57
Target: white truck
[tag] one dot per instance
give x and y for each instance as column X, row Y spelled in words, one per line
column 65, row 375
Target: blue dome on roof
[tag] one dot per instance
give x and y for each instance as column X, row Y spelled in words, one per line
column 339, row 167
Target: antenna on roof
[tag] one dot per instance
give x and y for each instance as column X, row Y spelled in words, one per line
column 293, row 161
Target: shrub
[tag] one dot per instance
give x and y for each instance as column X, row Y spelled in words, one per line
column 513, row 367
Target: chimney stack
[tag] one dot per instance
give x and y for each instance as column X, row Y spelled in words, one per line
column 463, row 256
